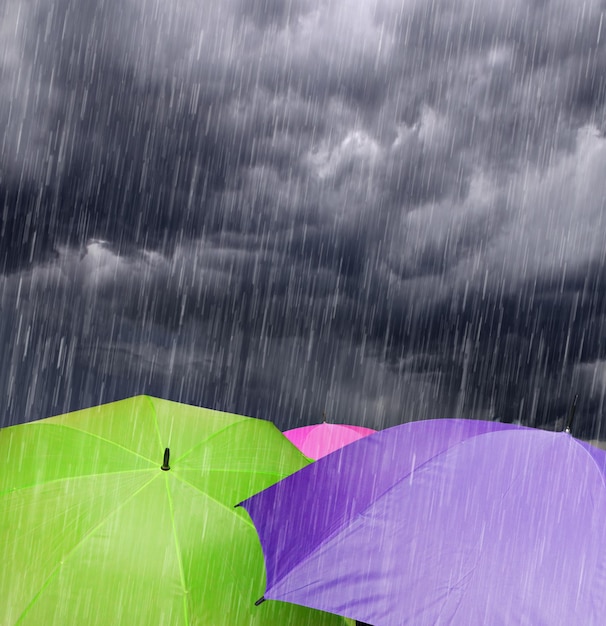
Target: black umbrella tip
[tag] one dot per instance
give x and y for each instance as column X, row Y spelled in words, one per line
column 570, row 418
column 260, row 601
column 165, row 466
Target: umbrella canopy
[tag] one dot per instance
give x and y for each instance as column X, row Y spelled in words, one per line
column 319, row 440
column 99, row 526
column 443, row 522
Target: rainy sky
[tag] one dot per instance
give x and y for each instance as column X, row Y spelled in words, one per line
column 382, row 210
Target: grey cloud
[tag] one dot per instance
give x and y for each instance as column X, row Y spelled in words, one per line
column 101, row 339
column 305, row 203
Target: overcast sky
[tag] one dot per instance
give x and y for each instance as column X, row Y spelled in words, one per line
column 384, row 210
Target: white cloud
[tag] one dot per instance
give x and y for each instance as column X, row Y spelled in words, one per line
column 356, row 148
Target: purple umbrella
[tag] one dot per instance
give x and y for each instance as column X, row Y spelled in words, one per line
column 443, row 522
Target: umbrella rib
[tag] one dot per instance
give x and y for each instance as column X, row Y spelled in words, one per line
column 113, row 443
column 232, row 471
column 218, row 502
column 229, row 510
column 215, row 434
column 178, row 551
column 57, row 567
column 580, row 445
column 340, row 525
column 415, row 469
column 155, row 414
column 67, row 478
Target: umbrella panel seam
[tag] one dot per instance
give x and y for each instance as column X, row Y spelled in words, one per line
column 66, row 478
column 350, row 427
column 232, row 471
column 100, row 437
column 249, row 525
column 215, row 434
column 595, row 463
column 342, row 521
column 543, row 448
column 155, row 414
column 178, row 551
column 57, row 567
column 218, row 502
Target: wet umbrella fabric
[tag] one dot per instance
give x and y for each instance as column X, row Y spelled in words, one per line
column 319, row 440
column 443, row 522
column 93, row 531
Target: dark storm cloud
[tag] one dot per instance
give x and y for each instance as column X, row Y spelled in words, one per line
column 280, row 208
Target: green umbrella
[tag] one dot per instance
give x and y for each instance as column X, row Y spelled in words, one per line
column 101, row 524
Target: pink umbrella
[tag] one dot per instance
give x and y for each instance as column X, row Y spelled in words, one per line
column 321, row 439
